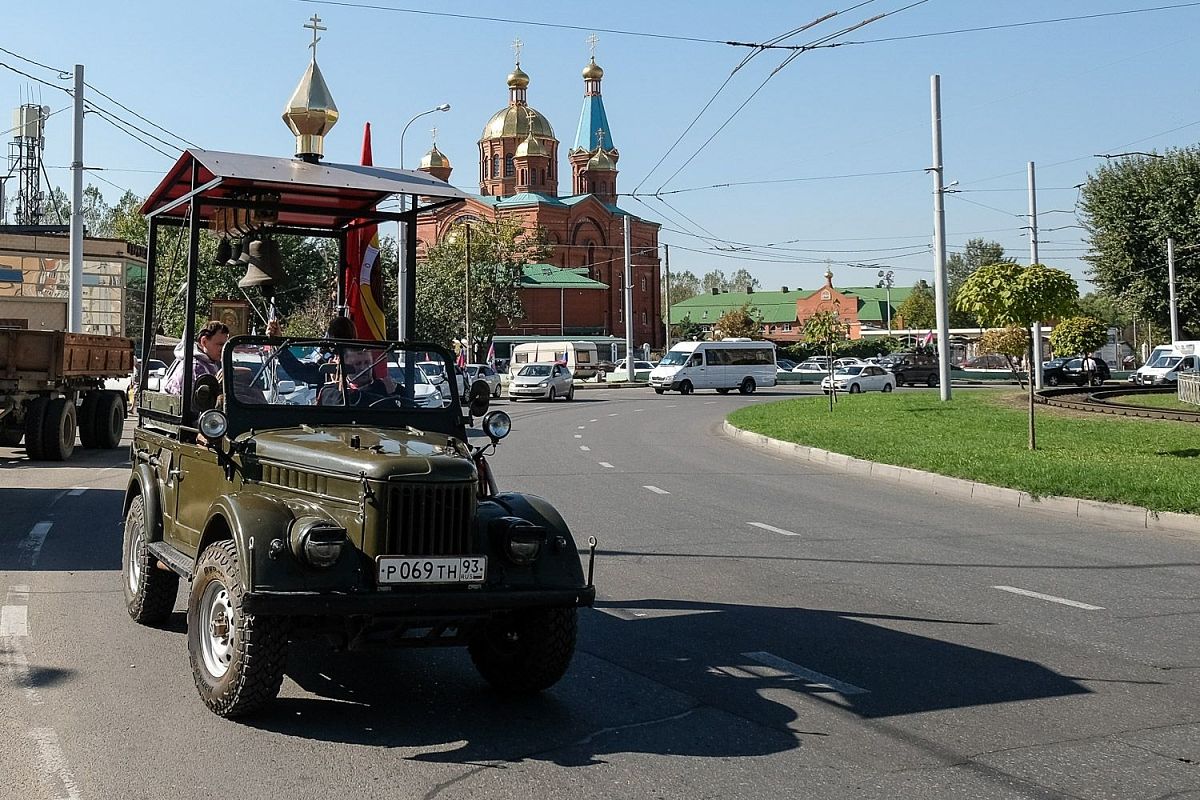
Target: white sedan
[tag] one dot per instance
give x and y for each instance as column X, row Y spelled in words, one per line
column 542, row 381
column 860, row 378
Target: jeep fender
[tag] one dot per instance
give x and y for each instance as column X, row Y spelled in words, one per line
column 143, row 481
column 539, row 511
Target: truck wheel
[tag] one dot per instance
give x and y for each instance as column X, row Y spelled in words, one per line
column 35, row 420
column 149, row 591
column 58, row 430
column 87, row 419
column 525, row 652
column 747, row 386
column 109, row 421
column 237, row 658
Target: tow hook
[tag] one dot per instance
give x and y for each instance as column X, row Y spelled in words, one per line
column 591, row 558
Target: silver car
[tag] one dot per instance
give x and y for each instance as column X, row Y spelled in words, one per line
column 542, row 381
column 484, row 372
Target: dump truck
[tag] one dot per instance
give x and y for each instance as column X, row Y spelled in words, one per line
column 52, row 389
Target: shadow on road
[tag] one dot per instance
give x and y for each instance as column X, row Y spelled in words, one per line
column 658, row 676
column 56, row 530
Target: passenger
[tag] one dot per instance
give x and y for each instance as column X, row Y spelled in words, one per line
column 206, row 359
column 355, row 379
column 309, row 372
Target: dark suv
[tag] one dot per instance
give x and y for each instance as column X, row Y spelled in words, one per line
column 911, row 369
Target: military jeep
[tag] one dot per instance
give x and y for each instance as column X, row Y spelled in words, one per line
column 312, row 489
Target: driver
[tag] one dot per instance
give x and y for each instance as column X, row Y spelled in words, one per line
column 355, row 378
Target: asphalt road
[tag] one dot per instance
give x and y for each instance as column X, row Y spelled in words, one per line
column 764, row 628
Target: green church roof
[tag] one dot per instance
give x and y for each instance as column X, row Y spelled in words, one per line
column 548, row 276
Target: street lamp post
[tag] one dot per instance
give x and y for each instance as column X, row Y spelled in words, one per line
column 887, row 281
column 402, row 233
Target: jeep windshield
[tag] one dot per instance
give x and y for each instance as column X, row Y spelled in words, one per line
column 330, row 374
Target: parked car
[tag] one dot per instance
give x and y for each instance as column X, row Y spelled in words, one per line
column 912, row 368
column 848, row 361
column 641, row 370
column 814, row 367
column 483, row 372
column 857, row 378
column 437, row 376
column 542, row 381
column 785, row 364
column 1072, row 372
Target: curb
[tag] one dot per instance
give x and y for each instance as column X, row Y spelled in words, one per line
column 1135, row 516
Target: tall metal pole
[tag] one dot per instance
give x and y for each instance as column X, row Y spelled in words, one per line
column 76, row 247
column 467, row 296
column 1035, row 369
column 1171, row 289
column 667, row 284
column 401, row 267
column 939, row 239
column 628, row 301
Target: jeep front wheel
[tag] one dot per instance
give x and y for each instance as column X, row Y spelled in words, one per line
column 237, row 658
column 525, row 652
column 149, row 591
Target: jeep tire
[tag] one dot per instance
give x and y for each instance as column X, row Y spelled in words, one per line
column 149, row 591
column 526, row 651
column 237, row 658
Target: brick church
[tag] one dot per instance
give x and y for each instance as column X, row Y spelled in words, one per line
column 580, row 292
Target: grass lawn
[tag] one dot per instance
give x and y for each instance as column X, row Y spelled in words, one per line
column 1170, row 401
column 983, row 436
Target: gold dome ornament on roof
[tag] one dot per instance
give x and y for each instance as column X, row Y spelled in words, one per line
column 434, row 159
column 531, row 147
column 592, row 71
column 517, row 79
column 311, row 112
column 601, row 162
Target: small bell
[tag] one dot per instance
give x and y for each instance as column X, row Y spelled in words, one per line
column 224, row 252
column 235, row 252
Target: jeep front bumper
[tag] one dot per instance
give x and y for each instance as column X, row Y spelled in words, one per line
column 396, row 603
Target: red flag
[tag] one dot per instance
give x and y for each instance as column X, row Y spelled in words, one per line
column 364, row 282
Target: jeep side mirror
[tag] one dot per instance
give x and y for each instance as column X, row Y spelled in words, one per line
column 205, row 393
column 480, row 398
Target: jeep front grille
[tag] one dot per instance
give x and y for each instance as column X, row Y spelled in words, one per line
column 430, row 519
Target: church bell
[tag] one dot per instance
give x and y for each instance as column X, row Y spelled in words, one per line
column 264, row 268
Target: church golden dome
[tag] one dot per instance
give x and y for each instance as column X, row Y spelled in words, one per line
column 515, row 121
column 531, row 147
column 601, row 162
column 435, row 159
column 592, row 71
column 517, row 79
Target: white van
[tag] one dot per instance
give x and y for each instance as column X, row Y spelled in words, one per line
column 580, row 357
column 739, row 364
column 1166, row 362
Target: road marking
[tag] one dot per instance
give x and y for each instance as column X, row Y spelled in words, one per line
column 31, row 545
column 808, row 675
column 76, row 492
column 1049, row 597
column 772, row 528
column 579, row 436
column 710, row 402
column 607, row 465
column 54, row 765
column 673, row 405
column 14, row 621
column 585, row 448
column 612, row 415
column 639, row 409
column 656, row 490
column 593, row 420
column 581, row 427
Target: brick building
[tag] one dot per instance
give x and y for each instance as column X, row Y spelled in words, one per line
column 519, row 180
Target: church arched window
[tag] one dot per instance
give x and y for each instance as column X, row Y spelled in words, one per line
column 522, row 175
column 496, row 165
column 508, row 165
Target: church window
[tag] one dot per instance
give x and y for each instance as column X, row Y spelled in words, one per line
column 543, row 176
column 508, row 165
column 620, row 314
column 643, row 317
column 523, row 175
column 495, row 165
column 643, row 284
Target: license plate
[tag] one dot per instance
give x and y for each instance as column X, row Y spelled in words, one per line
column 464, row 569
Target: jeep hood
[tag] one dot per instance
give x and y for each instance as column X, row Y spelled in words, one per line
column 382, row 453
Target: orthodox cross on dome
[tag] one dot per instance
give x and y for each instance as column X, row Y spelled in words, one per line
column 516, row 46
column 433, row 133
column 600, row 138
column 592, row 39
column 315, row 25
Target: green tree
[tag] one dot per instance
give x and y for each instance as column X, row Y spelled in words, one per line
column 825, row 329
column 1011, row 295
column 684, row 286
column 1129, row 207
column 741, row 322
column 1078, row 335
column 714, row 280
column 499, row 251
column 1008, row 342
column 919, row 310
column 960, row 266
column 686, row 329
column 742, row 281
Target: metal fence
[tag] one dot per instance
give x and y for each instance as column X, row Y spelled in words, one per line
column 1189, row 388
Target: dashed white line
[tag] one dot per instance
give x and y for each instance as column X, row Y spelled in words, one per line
column 808, row 675
column 639, row 409
column 656, row 490
column 14, row 621
column 76, row 492
column 772, row 528
column 31, row 545
column 710, row 402
column 613, row 415
column 581, row 427
column 585, row 448
column 607, row 465
column 54, row 765
column 1049, row 597
column 579, row 436
column 673, row 405
column 593, row 420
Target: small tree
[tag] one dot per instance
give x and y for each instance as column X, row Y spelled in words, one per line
column 1008, row 342
column 1078, row 336
column 1011, row 295
column 825, row 329
column 741, row 322
column 685, row 329
column 919, row 309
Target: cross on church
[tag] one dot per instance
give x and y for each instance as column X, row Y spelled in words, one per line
column 516, row 46
column 433, row 132
column 600, row 137
column 591, row 40
column 315, row 25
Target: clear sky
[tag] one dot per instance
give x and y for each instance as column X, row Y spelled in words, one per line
column 218, row 74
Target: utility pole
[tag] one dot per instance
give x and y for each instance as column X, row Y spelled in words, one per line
column 667, row 286
column 939, row 241
column 467, row 296
column 1171, row 288
column 1035, row 369
column 75, row 324
column 628, row 301
column 401, row 268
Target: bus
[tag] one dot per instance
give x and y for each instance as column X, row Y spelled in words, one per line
column 740, row 364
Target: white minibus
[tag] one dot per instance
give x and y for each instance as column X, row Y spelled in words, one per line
column 739, row 364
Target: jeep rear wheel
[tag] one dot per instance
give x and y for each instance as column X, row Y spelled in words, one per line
column 149, row 591
column 525, row 652
column 237, row 658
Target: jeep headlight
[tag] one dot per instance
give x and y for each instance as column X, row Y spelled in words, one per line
column 522, row 540
column 213, row 423
column 497, row 425
column 316, row 541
